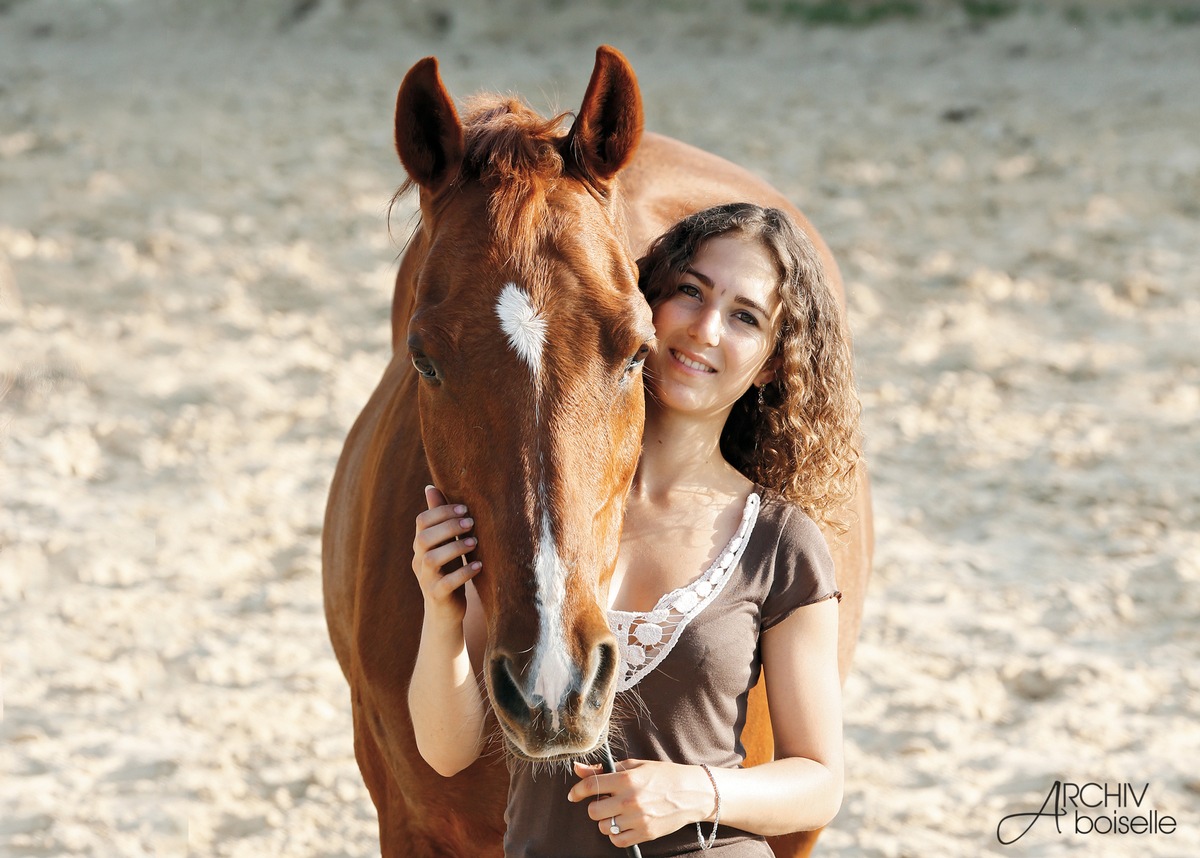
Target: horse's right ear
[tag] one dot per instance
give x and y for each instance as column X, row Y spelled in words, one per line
column 608, row 127
column 429, row 136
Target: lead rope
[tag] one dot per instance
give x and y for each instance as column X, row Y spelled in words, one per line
column 610, row 767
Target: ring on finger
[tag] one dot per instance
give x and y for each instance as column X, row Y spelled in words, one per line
column 613, row 828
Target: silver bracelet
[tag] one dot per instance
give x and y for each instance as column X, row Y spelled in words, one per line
column 712, row 837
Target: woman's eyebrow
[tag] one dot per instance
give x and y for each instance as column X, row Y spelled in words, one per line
column 752, row 304
column 703, row 278
column 740, row 299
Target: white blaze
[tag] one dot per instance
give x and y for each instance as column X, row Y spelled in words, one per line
column 525, row 329
column 552, row 663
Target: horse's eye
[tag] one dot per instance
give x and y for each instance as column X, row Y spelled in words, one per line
column 638, row 359
column 424, row 366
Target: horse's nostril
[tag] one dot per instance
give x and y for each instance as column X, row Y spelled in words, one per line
column 605, row 660
column 506, row 691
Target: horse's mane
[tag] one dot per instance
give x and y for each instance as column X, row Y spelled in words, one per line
column 517, row 155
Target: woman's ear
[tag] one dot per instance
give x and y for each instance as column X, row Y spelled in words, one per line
column 767, row 374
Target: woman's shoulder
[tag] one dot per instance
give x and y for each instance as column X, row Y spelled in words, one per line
column 793, row 527
column 794, row 563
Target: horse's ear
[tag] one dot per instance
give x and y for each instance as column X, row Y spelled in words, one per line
column 608, row 128
column 429, row 136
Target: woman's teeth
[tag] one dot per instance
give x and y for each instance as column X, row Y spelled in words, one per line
column 691, row 363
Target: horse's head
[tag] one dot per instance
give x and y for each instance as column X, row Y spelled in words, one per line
column 528, row 332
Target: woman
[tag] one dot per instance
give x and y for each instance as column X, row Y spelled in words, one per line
column 751, row 434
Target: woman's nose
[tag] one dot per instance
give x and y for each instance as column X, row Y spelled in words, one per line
column 706, row 327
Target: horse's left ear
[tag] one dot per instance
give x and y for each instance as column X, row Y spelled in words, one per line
column 608, row 128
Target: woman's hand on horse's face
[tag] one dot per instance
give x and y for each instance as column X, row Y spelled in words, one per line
column 648, row 799
column 436, row 545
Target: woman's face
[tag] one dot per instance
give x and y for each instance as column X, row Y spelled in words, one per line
column 717, row 328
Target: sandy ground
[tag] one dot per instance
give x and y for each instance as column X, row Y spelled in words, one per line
column 195, row 271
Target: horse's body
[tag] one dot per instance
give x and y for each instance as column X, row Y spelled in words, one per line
column 373, row 603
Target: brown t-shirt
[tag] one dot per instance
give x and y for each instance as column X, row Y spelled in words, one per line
column 689, row 667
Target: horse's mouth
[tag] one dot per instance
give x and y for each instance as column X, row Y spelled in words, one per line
column 583, row 751
column 550, row 760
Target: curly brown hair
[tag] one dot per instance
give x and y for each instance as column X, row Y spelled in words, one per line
column 803, row 442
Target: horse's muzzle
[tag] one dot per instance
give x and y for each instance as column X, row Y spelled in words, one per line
column 539, row 729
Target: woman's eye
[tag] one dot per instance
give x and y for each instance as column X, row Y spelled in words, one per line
column 689, row 289
column 424, row 366
column 748, row 318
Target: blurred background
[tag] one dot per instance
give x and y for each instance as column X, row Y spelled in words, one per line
column 195, row 278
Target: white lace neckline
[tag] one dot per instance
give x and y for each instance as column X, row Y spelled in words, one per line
column 644, row 638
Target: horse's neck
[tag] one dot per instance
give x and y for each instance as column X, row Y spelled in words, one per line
column 669, row 179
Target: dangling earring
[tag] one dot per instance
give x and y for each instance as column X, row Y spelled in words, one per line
column 760, row 396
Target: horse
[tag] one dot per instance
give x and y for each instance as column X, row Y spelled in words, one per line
column 515, row 386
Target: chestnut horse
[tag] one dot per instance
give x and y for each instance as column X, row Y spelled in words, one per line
column 518, row 334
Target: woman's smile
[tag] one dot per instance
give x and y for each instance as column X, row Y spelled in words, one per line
column 694, row 364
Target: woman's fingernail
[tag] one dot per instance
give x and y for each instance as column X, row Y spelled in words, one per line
column 476, row 566
column 460, row 509
column 465, row 522
column 470, row 540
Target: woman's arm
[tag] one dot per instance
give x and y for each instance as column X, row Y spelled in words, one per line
column 444, row 701
column 800, row 790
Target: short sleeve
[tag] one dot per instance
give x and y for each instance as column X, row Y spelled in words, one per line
column 802, row 571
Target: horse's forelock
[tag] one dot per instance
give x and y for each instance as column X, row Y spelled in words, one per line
column 506, row 138
column 516, row 154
